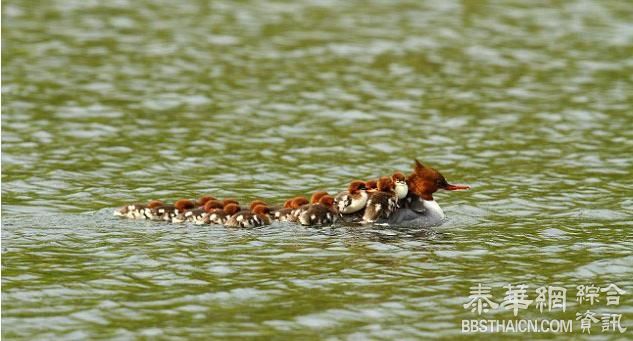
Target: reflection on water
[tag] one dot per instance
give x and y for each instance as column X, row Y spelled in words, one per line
column 108, row 103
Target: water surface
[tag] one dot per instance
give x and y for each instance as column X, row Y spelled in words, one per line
column 105, row 103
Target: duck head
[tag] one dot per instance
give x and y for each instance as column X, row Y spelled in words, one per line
column 424, row 181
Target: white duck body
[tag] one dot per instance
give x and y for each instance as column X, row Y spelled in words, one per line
column 418, row 213
column 345, row 203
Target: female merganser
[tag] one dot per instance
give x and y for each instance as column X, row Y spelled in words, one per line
column 401, row 187
column 382, row 203
column 321, row 213
column 219, row 216
column 421, row 209
column 286, row 214
column 259, row 216
column 352, row 200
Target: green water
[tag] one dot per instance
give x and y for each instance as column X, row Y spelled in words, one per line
column 105, row 103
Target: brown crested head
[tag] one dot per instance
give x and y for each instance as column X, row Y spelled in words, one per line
column 255, row 203
column 357, row 186
column 261, row 210
column 326, row 200
column 372, row 184
column 231, row 208
column 184, row 204
column 385, row 184
column 212, row 205
column 424, row 181
column 204, row 199
column 298, row 202
column 230, row 201
column 317, row 196
column 398, row 176
column 287, row 203
column 155, row 203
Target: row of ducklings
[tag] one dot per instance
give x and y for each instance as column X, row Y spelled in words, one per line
column 363, row 201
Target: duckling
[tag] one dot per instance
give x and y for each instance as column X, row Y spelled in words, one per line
column 401, row 187
column 259, row 216
column 352, row 200
column 372, row 185
column 136, row 211
column 178, row 214
column 321, row 213
column 168, row 212
column 257, row 202
column 286, row 214
column 203, row 200
column 382, row 203
column 198, row 215
column 314, row 199
column 230, row 201
column 220, row 216
column 275, row 213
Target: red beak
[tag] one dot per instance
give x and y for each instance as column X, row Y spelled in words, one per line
column 456, row 187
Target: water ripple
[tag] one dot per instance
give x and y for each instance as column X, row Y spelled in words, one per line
column 110, row 103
